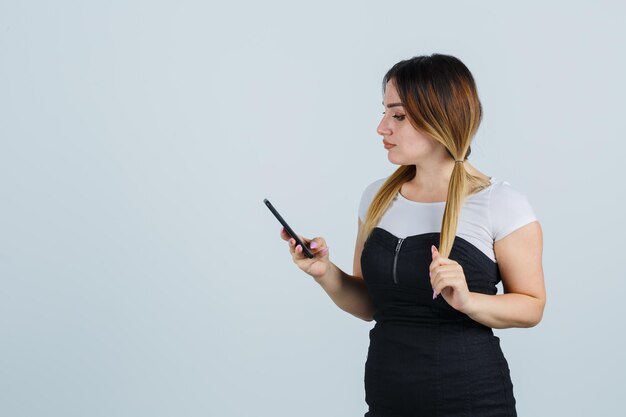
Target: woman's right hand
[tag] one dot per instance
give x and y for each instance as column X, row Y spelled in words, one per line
column 316, row 266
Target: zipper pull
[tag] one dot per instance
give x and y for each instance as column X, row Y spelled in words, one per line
column 395, row 260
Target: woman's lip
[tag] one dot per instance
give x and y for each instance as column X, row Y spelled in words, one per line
column 388, row 145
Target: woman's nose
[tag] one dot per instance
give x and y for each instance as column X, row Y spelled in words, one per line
column 382, row 129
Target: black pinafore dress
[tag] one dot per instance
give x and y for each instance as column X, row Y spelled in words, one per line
column 426, row 358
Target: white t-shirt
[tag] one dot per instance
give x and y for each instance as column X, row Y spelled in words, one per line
column 486, row 216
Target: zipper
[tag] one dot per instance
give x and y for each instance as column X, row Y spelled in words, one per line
column 395, row 259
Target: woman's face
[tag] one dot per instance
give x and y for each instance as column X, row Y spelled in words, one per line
column 411, row 146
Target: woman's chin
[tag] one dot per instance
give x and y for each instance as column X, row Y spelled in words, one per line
column 394, row 160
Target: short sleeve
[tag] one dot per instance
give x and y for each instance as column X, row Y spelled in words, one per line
column 367, row 196
column 509, row 209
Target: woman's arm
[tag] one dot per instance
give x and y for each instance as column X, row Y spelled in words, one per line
column 522, row 304
column 349, row 292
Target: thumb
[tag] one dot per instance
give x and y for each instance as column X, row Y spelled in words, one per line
column 434, row 251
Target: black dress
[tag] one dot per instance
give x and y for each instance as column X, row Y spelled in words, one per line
column 426, row 358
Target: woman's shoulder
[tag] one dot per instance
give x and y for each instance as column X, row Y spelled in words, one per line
column 372, row 188
column 509, row 208
column 503, row 191
column 376, row 184
column 367, row 195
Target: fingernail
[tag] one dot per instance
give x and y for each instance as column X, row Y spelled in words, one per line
column 434, row 294
column 313, row 245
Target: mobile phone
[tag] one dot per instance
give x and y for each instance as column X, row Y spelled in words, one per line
column 305, row 250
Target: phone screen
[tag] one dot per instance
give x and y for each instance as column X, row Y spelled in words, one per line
column 305, row 250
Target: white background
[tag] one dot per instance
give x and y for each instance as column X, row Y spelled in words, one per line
column 142, row 275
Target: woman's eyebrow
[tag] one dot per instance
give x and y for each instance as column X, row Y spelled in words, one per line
column 393, row 105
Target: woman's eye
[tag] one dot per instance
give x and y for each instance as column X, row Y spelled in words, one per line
column 399, row 117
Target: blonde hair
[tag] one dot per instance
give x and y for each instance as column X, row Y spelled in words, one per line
column 441, row 100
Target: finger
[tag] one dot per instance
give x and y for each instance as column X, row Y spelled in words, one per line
column 294, row 249
column 436, row 263
column 435, row 276
column 300, row 252
column 293, row 246
column 448, row 267
column 285, row 235
column 443, row 276
column 292, row 241
column 303, row 240
column 440, row 261
column 443, row 271
column 450, row 274
column 317, row 245
column 434, row 282
column 439, row 284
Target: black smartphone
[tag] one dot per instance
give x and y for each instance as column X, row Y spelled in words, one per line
column 305, row 250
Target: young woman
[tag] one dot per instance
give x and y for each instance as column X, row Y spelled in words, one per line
column 434, row 239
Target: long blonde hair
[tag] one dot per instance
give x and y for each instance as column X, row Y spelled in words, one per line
column 441, row 101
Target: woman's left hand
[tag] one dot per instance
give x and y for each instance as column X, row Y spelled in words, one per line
column 447, row 278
